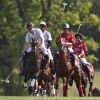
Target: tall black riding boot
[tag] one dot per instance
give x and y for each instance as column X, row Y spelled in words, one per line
column 72, row 57
column 52, row 70
column 24, row 59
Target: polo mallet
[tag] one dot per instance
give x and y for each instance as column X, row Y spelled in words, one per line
column 7, row 79
column 79, row 28
column 65, row 4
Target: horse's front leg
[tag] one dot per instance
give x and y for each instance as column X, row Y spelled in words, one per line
column 65, row 86
column 78, row 82
column 32, row 85
column 52, row 88
column 90, row 89
column 56, row 85
column 91, row 83
column 44, row 92
column 25, row 80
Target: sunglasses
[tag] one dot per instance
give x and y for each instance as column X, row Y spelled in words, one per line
column 64, row 28
column 29, row 28
column 78, row 37
column 42, row 26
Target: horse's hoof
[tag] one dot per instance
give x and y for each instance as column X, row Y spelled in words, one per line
column 30, row 90
column 90, row 94
column 35, row 93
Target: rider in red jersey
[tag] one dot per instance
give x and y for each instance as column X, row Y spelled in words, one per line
column 69, row 39
column 81, row 49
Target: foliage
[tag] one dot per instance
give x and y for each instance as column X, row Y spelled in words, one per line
column 92, row 58
column 92, row 44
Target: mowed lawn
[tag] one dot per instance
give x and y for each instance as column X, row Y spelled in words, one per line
column 47, row 98
column 72, row 93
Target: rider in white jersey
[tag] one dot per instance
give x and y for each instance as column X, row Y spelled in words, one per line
column 47, row 40
column 34, row 33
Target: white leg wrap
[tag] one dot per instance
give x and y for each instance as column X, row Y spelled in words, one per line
column 53, row 90
column 25, row 84
column 43, row 92
column 32, row 82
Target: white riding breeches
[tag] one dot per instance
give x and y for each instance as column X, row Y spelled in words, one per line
column 49, row 54
column 44, row 50
column 83, row 61
column 70, row 49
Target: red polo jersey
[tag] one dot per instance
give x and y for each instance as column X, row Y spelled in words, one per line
column 68, row 37
column 78, row 47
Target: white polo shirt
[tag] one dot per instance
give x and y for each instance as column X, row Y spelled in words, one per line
column 47, row 36
column 35, row 34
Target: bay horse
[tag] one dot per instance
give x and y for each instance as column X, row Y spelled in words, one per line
column 85, row 79
column 42, row 78
column 64, row 69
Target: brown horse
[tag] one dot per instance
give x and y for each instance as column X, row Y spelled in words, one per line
column 44, row 79
column 42, row 75
column 85, row 79
column 64, row 69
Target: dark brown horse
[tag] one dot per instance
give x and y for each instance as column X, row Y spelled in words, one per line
column 32, row 67
column 64, row 69
column 85, row 79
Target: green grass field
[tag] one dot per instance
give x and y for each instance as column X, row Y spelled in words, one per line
column 47, row 98
column 72, row 93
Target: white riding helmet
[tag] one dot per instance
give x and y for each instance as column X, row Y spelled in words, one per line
column 65, row 25
column 43, row 23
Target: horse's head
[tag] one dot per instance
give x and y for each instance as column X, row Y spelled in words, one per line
column 37, row 52
column 35, row 45
column 61, row 41
column 63, row 49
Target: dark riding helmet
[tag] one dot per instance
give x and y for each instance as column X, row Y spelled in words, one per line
column 29, row 25
column 65, row 25
column 79, row 34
